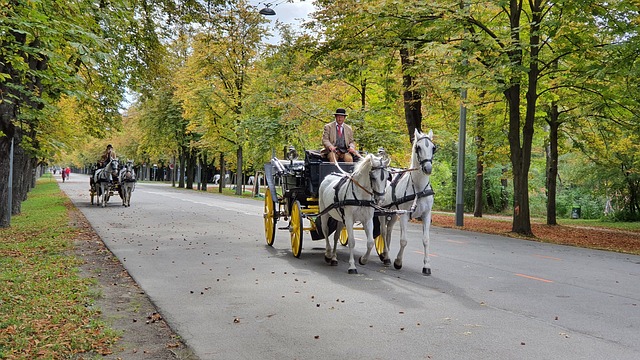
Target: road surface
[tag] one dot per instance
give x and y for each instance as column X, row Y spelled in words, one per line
column 203, row 260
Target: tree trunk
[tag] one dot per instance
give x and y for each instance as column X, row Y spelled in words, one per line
column 182, row 158
column 222, row 182
column 204, row 171
column 412, row 98
column 239, row 173
column 5, row 212
column 7, row 110
column 552, row 165
column 21, row 178
column 190, row 169
column 521, row 153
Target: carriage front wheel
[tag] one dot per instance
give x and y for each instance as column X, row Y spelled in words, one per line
column 295, row 227
column 379, row 242
column 344, row 236
column 270, row 218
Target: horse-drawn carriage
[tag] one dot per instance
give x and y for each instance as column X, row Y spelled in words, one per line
column 331, row 197
column 112, row 179
column 299, row 199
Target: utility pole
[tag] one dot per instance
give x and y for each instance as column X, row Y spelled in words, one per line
column 461, row 154
column 462, row 132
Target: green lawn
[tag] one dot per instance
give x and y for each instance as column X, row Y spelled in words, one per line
column 45, row 306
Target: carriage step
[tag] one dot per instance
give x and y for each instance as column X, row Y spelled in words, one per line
column 284, row 228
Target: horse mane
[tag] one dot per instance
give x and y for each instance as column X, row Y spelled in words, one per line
column 419, row 135
column 364, row 165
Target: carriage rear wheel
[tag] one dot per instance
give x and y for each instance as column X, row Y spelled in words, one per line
column 379, row 242
column 270, row 218
column 344, row 236
column 295, row 227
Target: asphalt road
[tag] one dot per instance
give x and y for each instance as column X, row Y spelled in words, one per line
column 203, row 261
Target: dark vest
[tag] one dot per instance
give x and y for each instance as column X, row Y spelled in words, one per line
column 340, row 143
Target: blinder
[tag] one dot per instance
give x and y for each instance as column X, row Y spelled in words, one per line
column 418, row 151
column 382, row 169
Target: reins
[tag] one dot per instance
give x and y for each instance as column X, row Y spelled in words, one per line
column 348, row 178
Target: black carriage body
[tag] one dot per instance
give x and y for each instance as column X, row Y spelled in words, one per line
column 300, row 179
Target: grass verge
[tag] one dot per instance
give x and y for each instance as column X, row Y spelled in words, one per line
column 45, row 306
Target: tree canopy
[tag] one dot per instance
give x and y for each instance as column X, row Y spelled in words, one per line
column 548, row 84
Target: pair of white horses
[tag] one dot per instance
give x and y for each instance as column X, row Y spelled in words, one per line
column 355, row 197
column 103, row 182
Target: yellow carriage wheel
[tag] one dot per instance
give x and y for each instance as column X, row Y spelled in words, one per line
column 379, row 242
column 270, row 218
column 344, row 236
column 295, row 227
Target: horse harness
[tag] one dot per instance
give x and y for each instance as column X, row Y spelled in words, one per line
column 427, row 191
column 395, row 201
column 340, row 204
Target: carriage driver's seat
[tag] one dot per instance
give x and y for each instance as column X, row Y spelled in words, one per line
column 312, row 161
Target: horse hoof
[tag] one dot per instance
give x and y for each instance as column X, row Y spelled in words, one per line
column 381, row 257
column 397, row 265
column 386, row 262
column 353, row 271
column 334, row 262
column 361, row 262
column 426, row 271
column 327, row 260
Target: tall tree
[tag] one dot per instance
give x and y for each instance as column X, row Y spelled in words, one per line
column 49, row 49
column 223, row 55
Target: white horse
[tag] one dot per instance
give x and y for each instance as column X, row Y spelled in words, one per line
column 103, row 179
column 348, row 198
column 216, row 178
column 127, row 180
column 411, row 191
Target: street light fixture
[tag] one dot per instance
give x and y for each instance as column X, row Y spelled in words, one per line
column 267, row 10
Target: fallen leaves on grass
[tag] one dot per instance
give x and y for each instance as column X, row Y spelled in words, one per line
column 586, row 237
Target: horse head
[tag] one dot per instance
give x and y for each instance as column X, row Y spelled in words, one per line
column 378, row 169
column 422, row 152
column 112, row 167
column 127, row 173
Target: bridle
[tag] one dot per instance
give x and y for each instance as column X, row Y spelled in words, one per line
column 382, row 168
column 372, row 178
column 422, row 161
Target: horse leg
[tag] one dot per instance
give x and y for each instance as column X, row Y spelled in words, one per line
column 336, row 237
column 352, row 245
column 368, row 231
column 404, row 223
column 385, row 230
column 426, row 240
column 329, row 255
column 98, row 193
column 105, row 194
